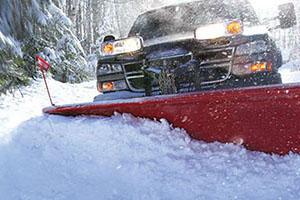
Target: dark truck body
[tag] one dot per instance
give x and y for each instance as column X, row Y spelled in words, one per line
column 172, row 60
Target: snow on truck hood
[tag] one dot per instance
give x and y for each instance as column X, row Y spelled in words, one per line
column 255, row 30
column 169, row 38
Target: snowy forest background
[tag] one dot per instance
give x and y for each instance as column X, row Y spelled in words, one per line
column 67, row 33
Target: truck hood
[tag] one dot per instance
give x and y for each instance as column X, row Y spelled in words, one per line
column 169, row 38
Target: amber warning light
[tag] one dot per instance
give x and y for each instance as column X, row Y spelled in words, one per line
column 235, row 27
column 108, row 48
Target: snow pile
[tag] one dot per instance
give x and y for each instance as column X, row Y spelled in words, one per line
column 290, row 72
column 20, row 106
column 122, row 157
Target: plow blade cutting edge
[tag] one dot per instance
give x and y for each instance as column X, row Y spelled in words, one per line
column 263, row 118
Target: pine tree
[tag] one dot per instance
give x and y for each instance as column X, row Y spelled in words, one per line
column 31, row 28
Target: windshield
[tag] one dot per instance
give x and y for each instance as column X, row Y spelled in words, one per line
column 186, row 17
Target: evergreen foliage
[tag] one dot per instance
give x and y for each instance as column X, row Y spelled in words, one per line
column 12, row 72
column 42, row 30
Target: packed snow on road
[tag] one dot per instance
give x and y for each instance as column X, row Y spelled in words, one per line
column 122, row 157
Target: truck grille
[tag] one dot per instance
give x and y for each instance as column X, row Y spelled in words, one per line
column 215, row 66
column 134, row 75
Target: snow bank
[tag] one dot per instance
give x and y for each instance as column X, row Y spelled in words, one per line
column 21, row 106
column 122, row 157
column 290, row 72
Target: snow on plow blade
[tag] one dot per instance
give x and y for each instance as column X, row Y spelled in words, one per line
column 264, row 119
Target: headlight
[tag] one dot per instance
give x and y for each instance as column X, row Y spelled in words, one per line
column 258, row 46
column 109, row 68
column 121, row 46
column 213, row 31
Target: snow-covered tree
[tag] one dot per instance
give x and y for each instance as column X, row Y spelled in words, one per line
column 31, row 28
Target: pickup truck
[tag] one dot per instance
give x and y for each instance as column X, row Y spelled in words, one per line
column 192, row 46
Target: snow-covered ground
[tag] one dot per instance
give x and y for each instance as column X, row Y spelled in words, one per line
column 44, row 157
column 290, row 72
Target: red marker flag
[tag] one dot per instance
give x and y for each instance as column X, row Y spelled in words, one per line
column 43, row 64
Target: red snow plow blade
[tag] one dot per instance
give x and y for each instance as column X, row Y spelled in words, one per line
column 264, row 119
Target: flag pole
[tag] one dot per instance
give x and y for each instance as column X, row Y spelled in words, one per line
column 47, row 88
column 45, row 66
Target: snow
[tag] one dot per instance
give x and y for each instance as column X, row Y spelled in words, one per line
column 15, row 109
column 122, row 157
column 8, row 42
column 255, row 30
column 58, row 12
column 169, row 38
column 5, row 39
column 290, row 72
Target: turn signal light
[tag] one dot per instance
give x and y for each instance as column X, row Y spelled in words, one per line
column 258, row 67
column 107, row 86
column 108, row 48
column 269, row 65
column 234, row 27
